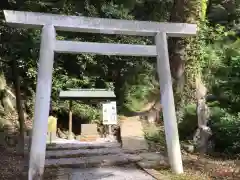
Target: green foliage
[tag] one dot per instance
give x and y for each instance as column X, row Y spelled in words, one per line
column 139, row 85
column 189, row 123
column 155, row 137
column 224, row 12
column 131, row 78
column 225, row 127
column 226, row 131
column 219, row 63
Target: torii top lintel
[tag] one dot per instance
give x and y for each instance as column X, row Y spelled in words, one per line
column 97, row 25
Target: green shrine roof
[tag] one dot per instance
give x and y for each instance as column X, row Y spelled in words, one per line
column 78, row 94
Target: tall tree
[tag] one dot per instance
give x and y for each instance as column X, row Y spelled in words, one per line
column 185, row 52
column 185, row 60
column 19, row 106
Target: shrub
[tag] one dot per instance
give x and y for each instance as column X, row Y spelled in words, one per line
column 226, row 131
column 155, row 137
column 225, row 128
column 188, row 125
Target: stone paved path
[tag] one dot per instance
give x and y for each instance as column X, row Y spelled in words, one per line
column 71, row 160
column 106, row 173
column 110, row 173
column 132, row 135
column 74, row 160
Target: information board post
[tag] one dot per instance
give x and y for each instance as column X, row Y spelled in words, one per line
column 110, row 115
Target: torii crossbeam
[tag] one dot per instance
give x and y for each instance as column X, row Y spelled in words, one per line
column 49, row 45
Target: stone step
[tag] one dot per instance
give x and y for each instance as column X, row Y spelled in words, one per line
column 93, row 161
column 82, row 145
column 64, row 144
column 82, row 153
column 87, row 138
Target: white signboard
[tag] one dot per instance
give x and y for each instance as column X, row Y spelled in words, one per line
column 110, row 113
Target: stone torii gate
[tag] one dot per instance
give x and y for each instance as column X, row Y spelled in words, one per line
column 49, row 23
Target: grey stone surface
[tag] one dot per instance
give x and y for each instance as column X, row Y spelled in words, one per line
column 167, row 101
column 42, row 101
column 89, row 129
column 94, row 161
column 79, row 94
column 61, row 144
column 105, row 48
column 82, row 152
column 148, row 164
column 105, row 173
column 151, row 156
column 97, row 25
column 188, row 147
column 152, row 160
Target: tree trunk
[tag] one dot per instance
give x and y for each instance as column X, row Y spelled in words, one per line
column 185, row 64
column 19, row 107
column 183, row 57
column 203, row 133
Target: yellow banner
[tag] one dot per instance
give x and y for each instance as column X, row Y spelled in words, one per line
column 52, row 124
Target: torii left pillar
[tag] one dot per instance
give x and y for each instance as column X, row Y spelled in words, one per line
column 42, row 103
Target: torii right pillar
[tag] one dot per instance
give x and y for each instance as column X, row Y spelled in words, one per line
column 167, row 100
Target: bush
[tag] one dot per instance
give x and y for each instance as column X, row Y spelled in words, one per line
column 226, row 131
column 155, row 137
column 225, row 128
column 188, row 125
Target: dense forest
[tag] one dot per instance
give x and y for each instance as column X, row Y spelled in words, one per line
column 213, row 56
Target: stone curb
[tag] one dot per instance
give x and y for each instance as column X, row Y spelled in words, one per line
column 82, row 153
column 94, row 161
column 152, row 172
column 81, row 146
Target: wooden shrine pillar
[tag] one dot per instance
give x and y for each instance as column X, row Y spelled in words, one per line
column 70, row 136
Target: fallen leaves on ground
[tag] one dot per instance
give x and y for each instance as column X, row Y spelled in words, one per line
column 206, row 168
column 12, row 165
column 195, row 167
